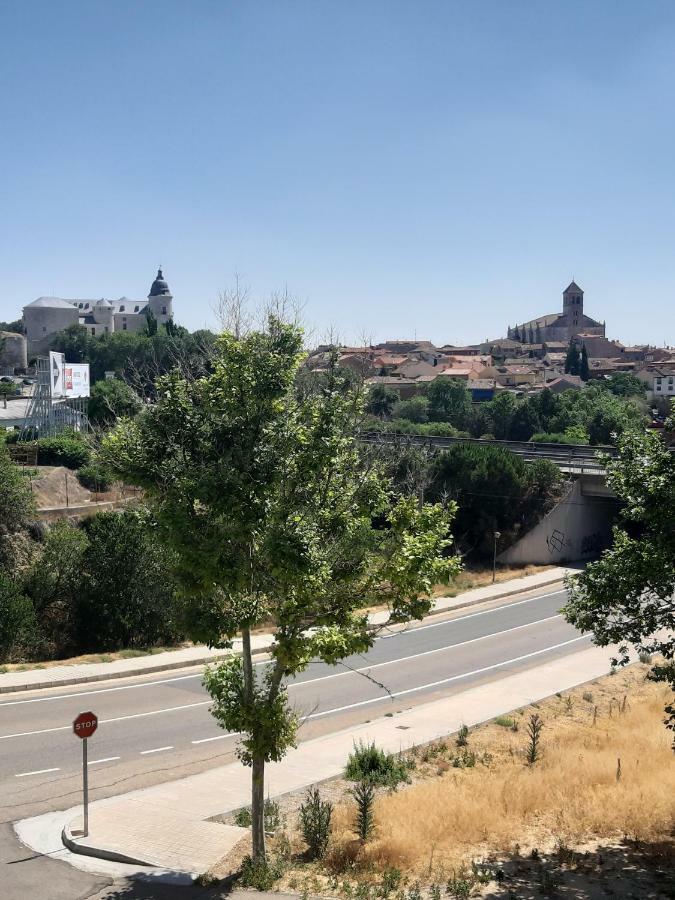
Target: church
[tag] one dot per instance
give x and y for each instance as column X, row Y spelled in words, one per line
column 560, row 326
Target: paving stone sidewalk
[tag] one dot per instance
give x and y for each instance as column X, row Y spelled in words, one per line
column 166, row 825
column 61, row 676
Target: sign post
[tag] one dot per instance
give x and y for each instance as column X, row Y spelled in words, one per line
column 84, row 726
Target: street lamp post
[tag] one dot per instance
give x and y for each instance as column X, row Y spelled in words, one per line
column 497, row 535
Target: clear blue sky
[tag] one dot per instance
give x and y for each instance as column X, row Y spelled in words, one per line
column 431, row 168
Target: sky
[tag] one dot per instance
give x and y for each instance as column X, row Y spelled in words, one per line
column 420, row 169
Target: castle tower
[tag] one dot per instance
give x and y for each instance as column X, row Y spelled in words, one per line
column 573, row 304
column 160, row 299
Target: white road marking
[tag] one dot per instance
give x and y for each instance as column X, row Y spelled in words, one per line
column 38, row 772
column 406, row 631
column 431, row 684
column 420, row 687
column 94, row 762
column 155, row 750
column 367, row 668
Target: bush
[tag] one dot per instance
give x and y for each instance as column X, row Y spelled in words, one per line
column 96, row 477
column 314, row 819
column 261, row 874
column 364, row 795
column 17, row 618
column 110, row 399
column 368, row 763
column 271, row 816
column 66, row 449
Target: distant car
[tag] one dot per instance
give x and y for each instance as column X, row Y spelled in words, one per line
column 6, row 378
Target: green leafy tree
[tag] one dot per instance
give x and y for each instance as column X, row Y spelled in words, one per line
column 524, row 422
column 127, row 596
column 262, row 491
column 7, row 389
column 449, row 401
column 626, row 597
column 17, row 619
column 381, row 401
column 495, row 491
column 501, row 411
column 16, row 501
column 584, row 371
column 624, row 384
column 414, row 410
column 110, row 400
column 15, row 327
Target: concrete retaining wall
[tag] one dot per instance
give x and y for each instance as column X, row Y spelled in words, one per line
column 578, row 528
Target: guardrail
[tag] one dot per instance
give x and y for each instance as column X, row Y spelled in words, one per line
column 574, row 457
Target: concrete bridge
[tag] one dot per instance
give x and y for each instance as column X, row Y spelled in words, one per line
column 573, row 459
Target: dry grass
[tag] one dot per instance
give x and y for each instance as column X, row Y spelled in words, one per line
column 475, row 578
column 573, row 794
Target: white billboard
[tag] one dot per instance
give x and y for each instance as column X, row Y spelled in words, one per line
column 67, row 379
column 76, row 380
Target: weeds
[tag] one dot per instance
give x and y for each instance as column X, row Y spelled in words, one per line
column 369, row 763
column 533, row 750
column 272, row 816
column 314, row 818
column 364, row 795
column 463, row 736
column 505, row 722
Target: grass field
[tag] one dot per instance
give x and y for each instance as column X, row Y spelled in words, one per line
column 601, row 796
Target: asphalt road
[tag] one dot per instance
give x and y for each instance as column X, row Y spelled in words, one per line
column 157, row 728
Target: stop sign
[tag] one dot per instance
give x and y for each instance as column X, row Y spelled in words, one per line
column 85, row 724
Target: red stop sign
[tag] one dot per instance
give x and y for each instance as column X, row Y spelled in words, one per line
column 85, row 724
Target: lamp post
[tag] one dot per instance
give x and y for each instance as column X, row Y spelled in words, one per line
column 497, row 535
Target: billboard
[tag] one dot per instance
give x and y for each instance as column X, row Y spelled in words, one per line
column 76, row 380
column 57, row 362
column 67, row 379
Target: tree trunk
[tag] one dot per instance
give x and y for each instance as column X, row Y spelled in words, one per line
column 258, row 768
column 258, row 808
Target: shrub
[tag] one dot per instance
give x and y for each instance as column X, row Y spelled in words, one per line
column 261, row 874
column 505, row 721
column 271, row 815
column 314, row 818
column 534, row 728
column 17, row 618
column 466, row 759
column 364, row 795
column 95, row 477
column 67, row 449
column 463, row 736
column 368, row 763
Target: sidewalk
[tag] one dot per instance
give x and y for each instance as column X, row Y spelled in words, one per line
column 61, row 676
column 167, row 825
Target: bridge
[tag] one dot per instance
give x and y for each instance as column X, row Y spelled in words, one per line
column 573, row 459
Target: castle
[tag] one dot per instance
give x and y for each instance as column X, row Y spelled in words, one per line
column 47, row 315
column 560, row 327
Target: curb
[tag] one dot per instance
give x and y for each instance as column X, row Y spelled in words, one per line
column 99, row 852
column 168, row 666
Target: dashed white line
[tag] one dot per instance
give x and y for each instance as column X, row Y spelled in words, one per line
column 155, row 750
column 94, row 762
column 38, row 772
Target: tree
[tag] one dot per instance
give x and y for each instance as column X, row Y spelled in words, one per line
column 626, row 597
column 16, row 500
column 572, row 360
column 501, row 411
column 381, row 401
column 415, row 410
column 525, row 422
column 110, row 399
column 16, row 616
column 262, row 491
column 7, row 389
column 127, row 593
column 624, row 384
column 449, row 401
column 583, row 364
column 16, row 326
column 151, row 325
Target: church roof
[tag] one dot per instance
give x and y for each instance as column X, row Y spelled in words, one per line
column 572, row 287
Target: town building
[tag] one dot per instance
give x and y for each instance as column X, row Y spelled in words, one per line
column 47, row 315
column 559, row 326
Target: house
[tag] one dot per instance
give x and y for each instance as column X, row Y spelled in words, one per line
column 509, row 376
column 565, row 383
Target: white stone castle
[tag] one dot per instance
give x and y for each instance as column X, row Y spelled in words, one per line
column 47, row 315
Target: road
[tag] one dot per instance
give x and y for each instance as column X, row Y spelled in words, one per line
column 157, row 728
